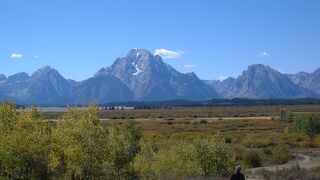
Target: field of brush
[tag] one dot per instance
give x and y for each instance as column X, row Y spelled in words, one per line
column 257, row 137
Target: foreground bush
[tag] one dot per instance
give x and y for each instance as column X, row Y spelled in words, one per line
column 252, row 159
column 80, row 144
column 203, row 157
column 77, row 146
column 24, row 145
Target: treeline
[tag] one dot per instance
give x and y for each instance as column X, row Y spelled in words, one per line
column 308, row 124
column 216, row 103
column 78, row 146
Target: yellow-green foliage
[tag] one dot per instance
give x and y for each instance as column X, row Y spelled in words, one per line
column 81, row 146
column 80, row 143
column 258, row 141
column 296, row 140
column 123, row 144
column 25, row 146
column 281, row 154
column 8, row 116
column 202, row 157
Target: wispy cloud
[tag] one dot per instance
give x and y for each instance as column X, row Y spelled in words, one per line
column 168, row 54
column 189, row 66
column 264, row 54
column 16, row 56
column 221, row 78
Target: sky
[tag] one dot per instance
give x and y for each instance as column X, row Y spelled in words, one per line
column 213, row 38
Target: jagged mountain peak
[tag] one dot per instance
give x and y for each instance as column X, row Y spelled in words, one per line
column 3, row 77
column 45, row 70
column 141, row 75
column 259, row 68
column 192, row 74
column 260, row 81
column 18, row 77
column 151, row 79
column 135, row 52
column 317, row 72
column 139, row 55
column 310, row 81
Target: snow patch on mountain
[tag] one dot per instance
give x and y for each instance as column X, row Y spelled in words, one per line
column 138, row 70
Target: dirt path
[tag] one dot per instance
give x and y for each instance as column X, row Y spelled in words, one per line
column 305, row 162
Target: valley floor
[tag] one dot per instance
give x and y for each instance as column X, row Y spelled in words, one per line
column 248, row 130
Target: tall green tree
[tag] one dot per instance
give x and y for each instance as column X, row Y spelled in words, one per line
column 24, row 150
column 123, row 144
column 80, row 144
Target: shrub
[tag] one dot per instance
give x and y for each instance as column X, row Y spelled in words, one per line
column 214, row 156
column 257, row 141
column 25, row 145
column 252, row 159
column 286, row 116
column 80, row 144
column 203, row 121
column 123, row 146
column 308, row 124
column 281, row 154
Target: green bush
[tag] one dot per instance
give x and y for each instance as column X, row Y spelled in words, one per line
column 252, row 159
column 308, row 124
column 78, row 146
column 281, row 154
column 286, row 115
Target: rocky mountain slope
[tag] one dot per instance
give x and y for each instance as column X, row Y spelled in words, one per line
column 261, row 82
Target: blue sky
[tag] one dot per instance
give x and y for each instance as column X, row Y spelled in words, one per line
column 213, row 38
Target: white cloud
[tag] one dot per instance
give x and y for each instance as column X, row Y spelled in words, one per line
column 168, row 54
column 221, row 78
column 16, row 56
column 264, row 54
column 36, row 57
column 189, row 66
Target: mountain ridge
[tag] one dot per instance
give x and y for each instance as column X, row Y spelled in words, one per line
column 142, row 76
column 261, row 82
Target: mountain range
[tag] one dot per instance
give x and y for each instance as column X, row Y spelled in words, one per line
column 142, row 76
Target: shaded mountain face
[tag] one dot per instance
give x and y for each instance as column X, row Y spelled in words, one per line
column 149, row 78
column 47, row 85
column 100, row 89
column 309, row 81
column 222, row 87
column 12, row 86
column 262, row 82
column 2, row 77
column 44, row 86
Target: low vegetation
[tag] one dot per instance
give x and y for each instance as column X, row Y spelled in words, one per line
column 78, row 146
column 149, row 144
